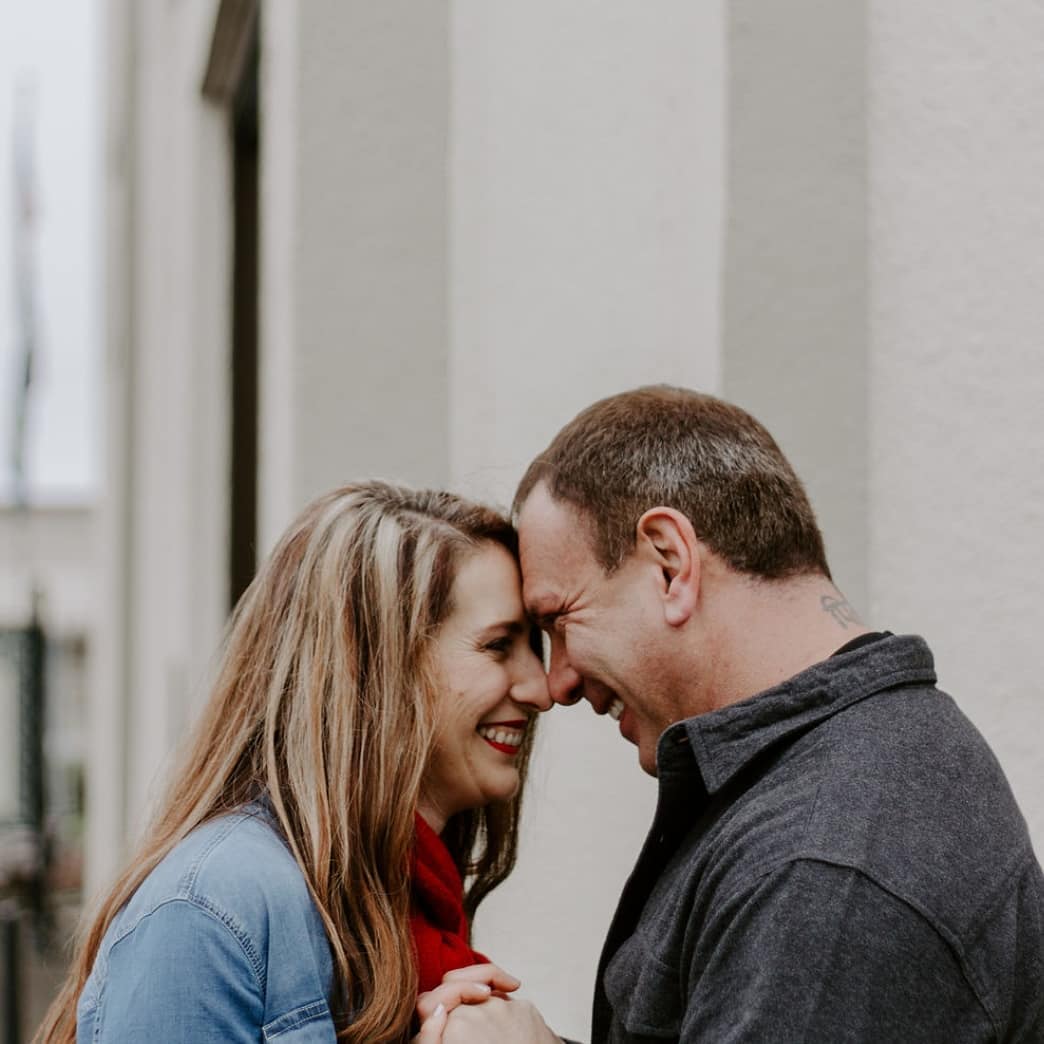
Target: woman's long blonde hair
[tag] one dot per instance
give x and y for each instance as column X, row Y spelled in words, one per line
column 323, row 703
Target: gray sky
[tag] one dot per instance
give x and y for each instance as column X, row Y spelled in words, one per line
column 55, row 44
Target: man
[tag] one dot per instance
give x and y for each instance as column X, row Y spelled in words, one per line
column 836, row 854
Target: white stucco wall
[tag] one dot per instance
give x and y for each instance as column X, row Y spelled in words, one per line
column 586, row 200
column 794, row 327
column 956, row 359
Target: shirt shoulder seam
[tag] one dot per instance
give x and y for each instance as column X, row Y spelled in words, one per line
column 213, row 911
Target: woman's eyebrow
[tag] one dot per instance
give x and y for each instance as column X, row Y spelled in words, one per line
column 512, row 626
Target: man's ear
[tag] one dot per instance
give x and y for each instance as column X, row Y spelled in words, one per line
column 666, row 538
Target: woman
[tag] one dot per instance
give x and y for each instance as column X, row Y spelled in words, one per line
column 362, row 752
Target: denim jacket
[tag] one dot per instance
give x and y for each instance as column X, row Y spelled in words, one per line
column 221, row 942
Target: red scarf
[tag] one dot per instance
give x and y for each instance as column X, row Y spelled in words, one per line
column 440, row 929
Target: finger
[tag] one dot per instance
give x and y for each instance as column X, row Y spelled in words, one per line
column 490, row 974
column 452, row 994
column 432, row 1027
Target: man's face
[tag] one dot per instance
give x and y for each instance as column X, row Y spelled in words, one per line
column 606, row 632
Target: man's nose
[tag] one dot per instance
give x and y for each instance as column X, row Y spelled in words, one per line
column 563, row 683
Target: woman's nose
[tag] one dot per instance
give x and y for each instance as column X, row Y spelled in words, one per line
column 530, row 688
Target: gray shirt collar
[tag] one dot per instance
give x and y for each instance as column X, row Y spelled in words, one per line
column 725, row 741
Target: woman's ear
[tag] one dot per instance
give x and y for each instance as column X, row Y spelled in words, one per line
column 666, row 538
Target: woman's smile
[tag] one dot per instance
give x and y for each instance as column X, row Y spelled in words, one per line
column 505, row 736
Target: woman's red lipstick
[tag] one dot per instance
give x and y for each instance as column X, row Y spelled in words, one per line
column 499, row 734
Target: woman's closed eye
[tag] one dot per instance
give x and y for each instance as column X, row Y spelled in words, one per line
column 499, row 646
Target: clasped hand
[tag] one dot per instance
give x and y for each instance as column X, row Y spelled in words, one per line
column 472, row 1006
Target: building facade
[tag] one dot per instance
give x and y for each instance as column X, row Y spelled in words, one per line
column 408, row 240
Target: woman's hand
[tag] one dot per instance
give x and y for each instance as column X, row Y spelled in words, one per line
column 471, row 985
column 432, row 1027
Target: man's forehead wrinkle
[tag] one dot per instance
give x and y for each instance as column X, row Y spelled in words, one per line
column 558, row 567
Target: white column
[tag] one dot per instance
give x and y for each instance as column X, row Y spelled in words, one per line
column 957, row 477
column 163, row 519
column 179, row 432
column 354, row 100
column 586, row 199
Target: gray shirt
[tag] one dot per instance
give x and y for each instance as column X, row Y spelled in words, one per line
column 839, row 858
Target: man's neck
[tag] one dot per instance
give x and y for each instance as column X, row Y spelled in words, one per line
column 769, row 631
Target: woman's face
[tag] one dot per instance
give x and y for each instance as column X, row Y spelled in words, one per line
column 491, row 684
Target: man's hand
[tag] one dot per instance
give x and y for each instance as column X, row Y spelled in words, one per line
column 502, row 1019
column 471, row 985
